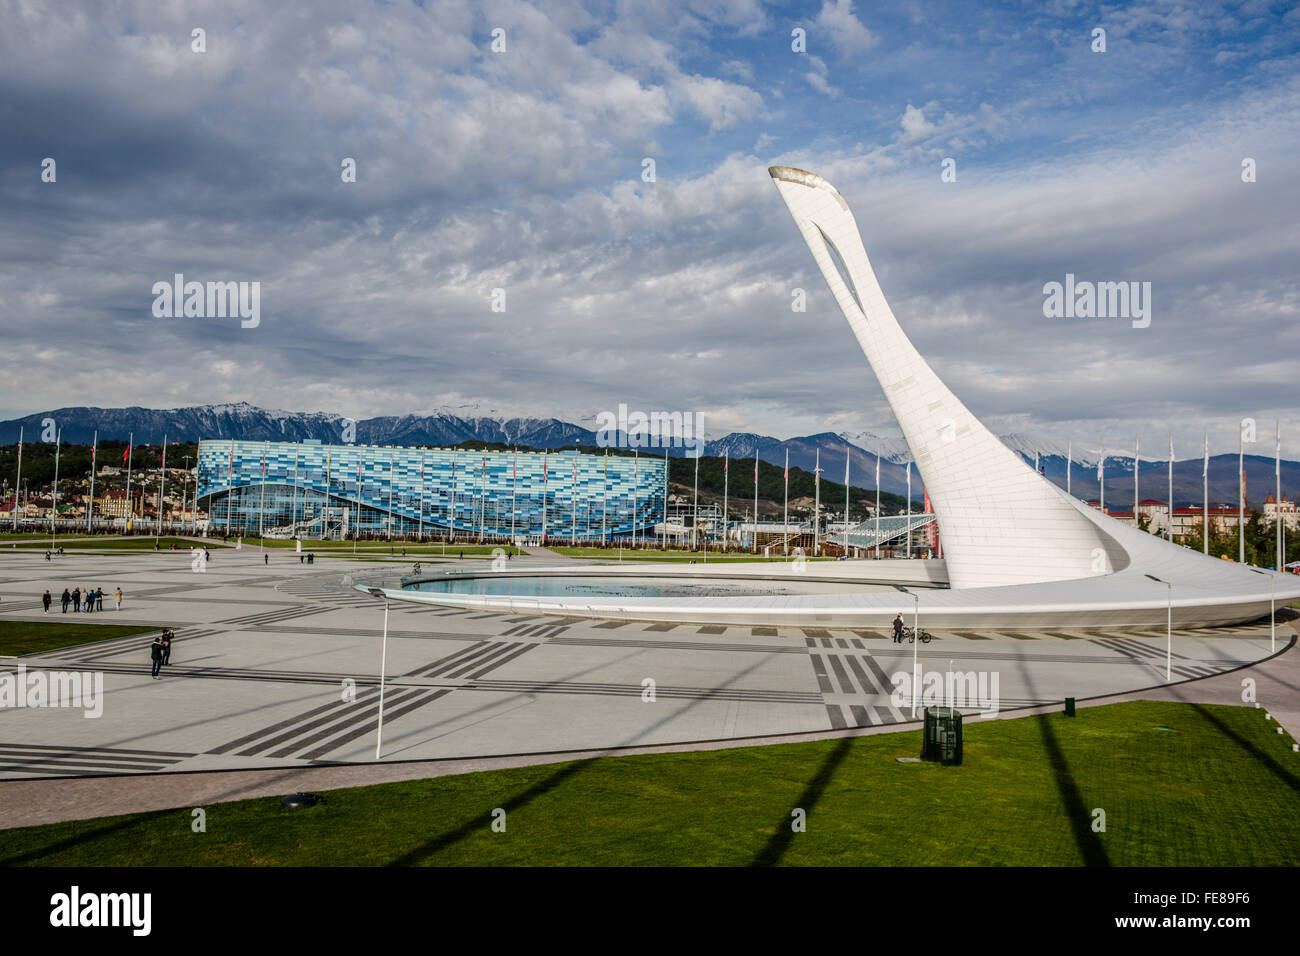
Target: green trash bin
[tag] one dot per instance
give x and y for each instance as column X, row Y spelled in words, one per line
column 941, row 742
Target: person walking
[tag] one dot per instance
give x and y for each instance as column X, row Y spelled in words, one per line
column 99, row 599
column 88, row 599
column 156, row 655
column 265, row 559
column 76, row 600
column 47, row 601
column 167, row 636
column 898, row 628
column 65, row 599
column 118, row 594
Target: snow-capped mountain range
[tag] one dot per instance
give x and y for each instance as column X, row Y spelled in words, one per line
column 455, row 424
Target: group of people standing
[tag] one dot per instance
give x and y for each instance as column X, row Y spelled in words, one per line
column 160, row 651
column 91, row 599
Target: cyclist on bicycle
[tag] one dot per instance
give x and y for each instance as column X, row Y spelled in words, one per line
column 898, row 628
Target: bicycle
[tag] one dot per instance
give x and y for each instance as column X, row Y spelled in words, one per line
column 910, row 635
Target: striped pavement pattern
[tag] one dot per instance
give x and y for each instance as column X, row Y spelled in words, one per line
column 46, row 760
column 311, row 735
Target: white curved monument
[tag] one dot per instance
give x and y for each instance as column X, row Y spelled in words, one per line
column 1002, row 523
column 1018, row 551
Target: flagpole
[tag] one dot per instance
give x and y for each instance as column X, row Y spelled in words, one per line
column 356, row 523
column 54, row 496
column 543, row 498
column 1101, row 478
column 695, row 522
column 1205, row 498
column 18, row 482
column 389, row 519
column 665, row 497
column 726, row 487
column 785, row 517
column 130, row 451
column 230, row 485
column 635, row 474
column 604, row 503
column 90, row 511
column 573, row 502
column 909, row 509
column 846, row 502
column 1171, row 487
column 421, row 524
column 451, row 505
column 817, row 504
column 877, row 504
column 514, row 484
column 261, row 497
column 1241, row 497
column 1136, row 467
column 162, row 484
column 1277, row 513
column 293, row 508
column 753, row 539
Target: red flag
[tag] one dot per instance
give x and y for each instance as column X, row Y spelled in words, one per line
column 126, row 453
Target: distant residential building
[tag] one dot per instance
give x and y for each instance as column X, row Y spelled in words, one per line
column 1188, row 522
column 113, row 504
column 1286, row 509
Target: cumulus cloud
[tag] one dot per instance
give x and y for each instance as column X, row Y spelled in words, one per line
column 522, row 171
column 846, row 32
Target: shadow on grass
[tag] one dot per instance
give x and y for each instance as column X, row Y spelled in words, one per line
column 85, row 837
column 1090, row 845
column 780, row 842
column 1271, row 765
column 444, row 840
column 1089, row 842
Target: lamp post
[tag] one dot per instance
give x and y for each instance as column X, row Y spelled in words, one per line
column 383, row 668
column 185, row 490
column 1169, row 624
column 916, row 641
column 1272, row 609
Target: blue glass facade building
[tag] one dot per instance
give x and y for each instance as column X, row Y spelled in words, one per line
column 314, row 491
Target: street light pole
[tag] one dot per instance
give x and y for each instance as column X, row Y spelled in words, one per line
column 916, row 640
column 383, row 669
column 1169, row 625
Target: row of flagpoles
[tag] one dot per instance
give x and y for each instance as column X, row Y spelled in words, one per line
column 817, row 472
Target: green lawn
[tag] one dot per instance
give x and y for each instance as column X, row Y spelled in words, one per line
column 133, row 543
column 1180, row 784
column 29, row 637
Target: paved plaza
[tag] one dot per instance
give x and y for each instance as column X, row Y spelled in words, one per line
column 266, row 655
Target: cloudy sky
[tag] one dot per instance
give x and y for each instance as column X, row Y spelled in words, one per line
column 522, row 169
